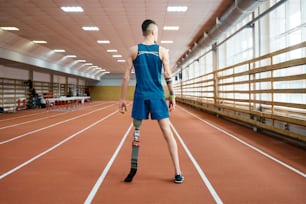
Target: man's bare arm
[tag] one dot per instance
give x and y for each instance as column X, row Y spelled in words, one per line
column 167, row 75
column 126, row 79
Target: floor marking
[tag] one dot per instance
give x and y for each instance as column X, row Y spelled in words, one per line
column 100, row 180
column 248, row 145
column 54, row 124
column 29, row 121
column 55, row 146
column 23, row 116
column 198, row 168
column 34, row 120
column 27, row 115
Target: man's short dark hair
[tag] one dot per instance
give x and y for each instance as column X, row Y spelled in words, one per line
column 145, row 26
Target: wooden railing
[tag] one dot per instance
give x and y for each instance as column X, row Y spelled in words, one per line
column 252, row 92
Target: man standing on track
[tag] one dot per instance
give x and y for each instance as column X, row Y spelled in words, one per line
column 149, row 60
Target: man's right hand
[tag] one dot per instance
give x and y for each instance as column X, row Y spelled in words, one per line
column 122, row 107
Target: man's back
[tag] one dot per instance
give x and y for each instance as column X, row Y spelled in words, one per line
column 148, row 70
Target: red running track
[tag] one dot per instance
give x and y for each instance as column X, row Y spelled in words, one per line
column 83, row 155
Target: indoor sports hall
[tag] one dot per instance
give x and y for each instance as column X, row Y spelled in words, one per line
column 237, row 72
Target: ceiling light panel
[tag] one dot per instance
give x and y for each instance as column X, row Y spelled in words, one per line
column 166, row 41
column 72, row 9
column 71, row 56
column 40, row 41
column 90, row 28
column 9, row 28
column 171, row 28
column 112, row 50
column 177, row 8
column 59, row 50
column 103, row 41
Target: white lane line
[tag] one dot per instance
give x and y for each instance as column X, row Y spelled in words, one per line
column 34, row 120
column 100, row 180
column 198, row 168
column 55, row 146
column 29, row 121
column 248, row 145
column 49, row 126
column 23, row 116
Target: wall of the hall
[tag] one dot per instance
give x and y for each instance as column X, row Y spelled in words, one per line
column 99, row 93
column 25, row 74
column 109, row 87
column 43, row 76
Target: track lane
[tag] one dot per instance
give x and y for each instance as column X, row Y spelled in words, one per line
column 239, row 175
column 153, row 182
column 21, row 114
column 13, row 122
column 40, row 116
column 66, row 174
column 19, row 151
column 234, row 167
column 31, row 125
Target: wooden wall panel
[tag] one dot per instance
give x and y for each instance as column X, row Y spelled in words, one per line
column 100, row 93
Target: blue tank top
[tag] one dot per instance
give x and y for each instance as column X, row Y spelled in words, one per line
column 148, row 71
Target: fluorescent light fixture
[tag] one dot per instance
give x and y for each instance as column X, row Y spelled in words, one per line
column 103, row 41
column 59, row 50
column 9, row 28
column 100, row 69
column 40, row 41
column 104, row 72
column 93, row 67
column 120, row 60
column 90, row 28
column 80, row 60
column 116, row 56
column 177, row 8
column 71, row 56
column 171, row 27
column 72, row 8
column 166, row 41
column 112, row 50
column 87, row 64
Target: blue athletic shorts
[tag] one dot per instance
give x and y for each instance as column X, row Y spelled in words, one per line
column 156, row 108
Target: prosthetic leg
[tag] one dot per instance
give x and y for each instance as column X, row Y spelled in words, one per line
column 135, row 149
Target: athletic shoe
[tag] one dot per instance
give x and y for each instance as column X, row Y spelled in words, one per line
column 178, row 179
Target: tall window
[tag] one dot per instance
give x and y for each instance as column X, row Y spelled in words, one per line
column 282, row 27
column 239, row 47
column 287, row 28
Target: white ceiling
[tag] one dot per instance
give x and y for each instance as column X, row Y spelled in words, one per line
column 119, row 22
